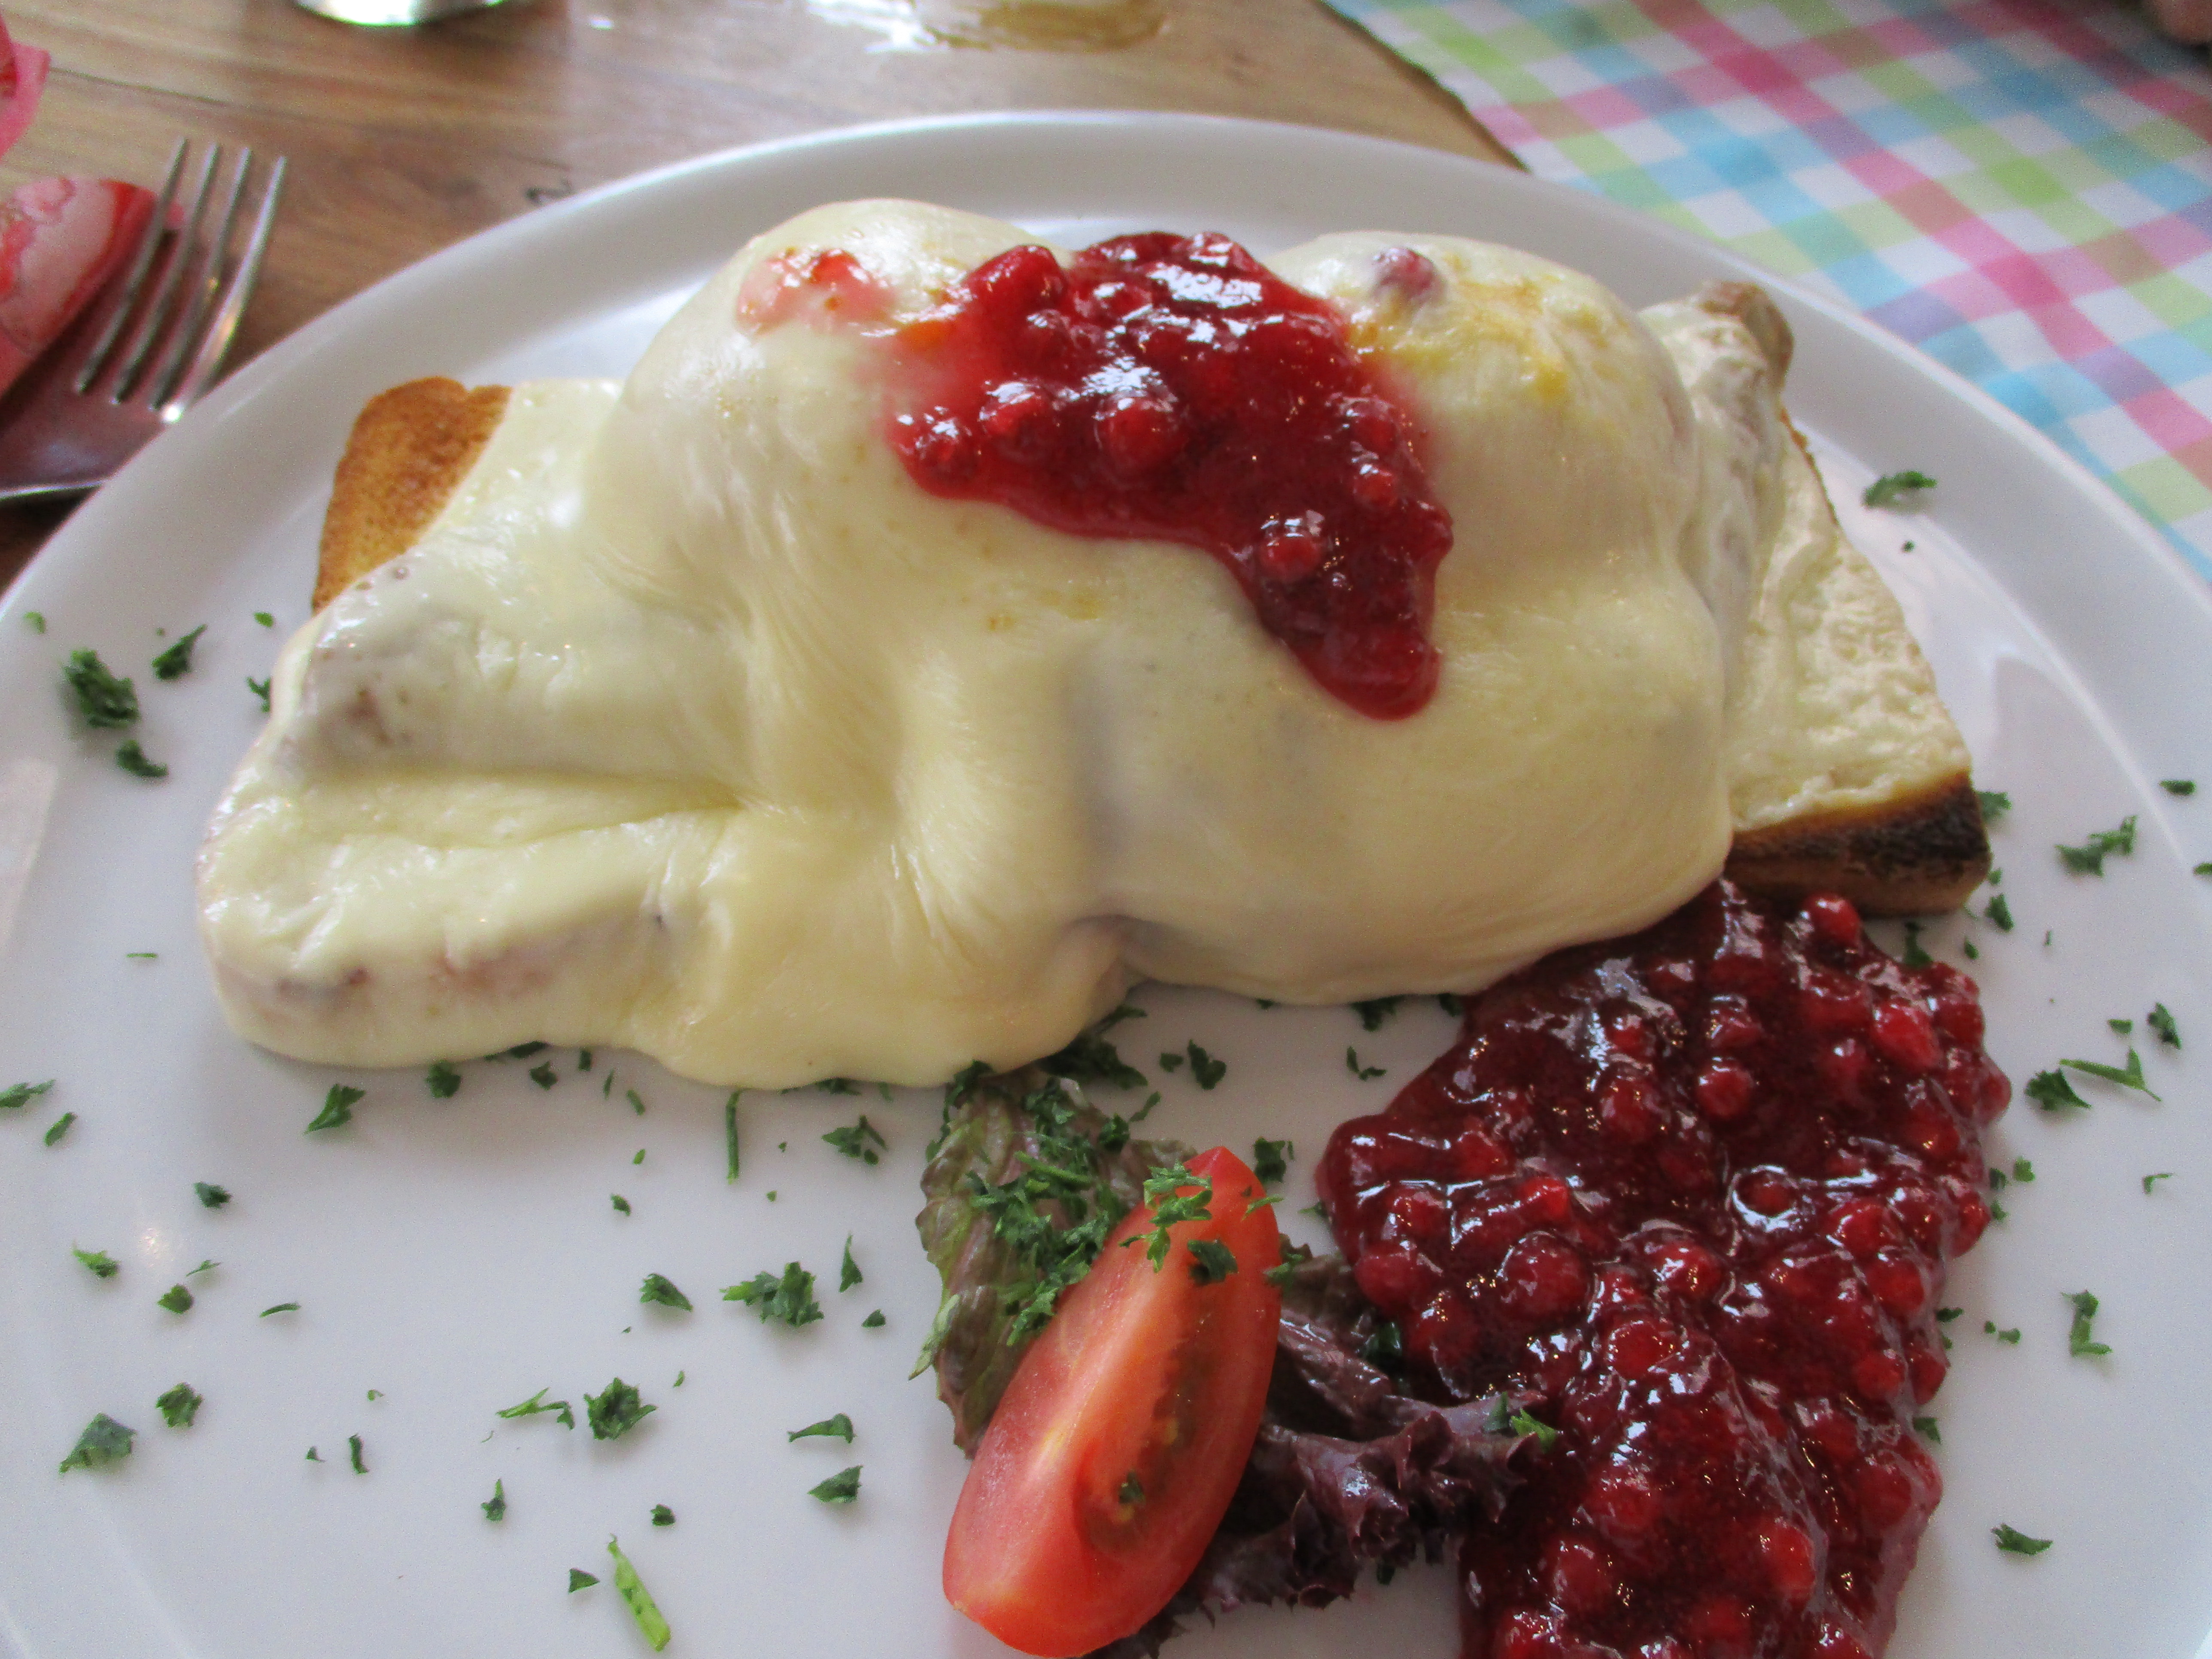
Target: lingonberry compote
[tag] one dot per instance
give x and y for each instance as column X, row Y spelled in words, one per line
column 1172, row 387
column 1693, row 1194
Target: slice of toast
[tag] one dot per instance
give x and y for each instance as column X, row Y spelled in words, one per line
column 1881, row 808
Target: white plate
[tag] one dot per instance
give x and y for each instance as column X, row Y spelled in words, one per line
column 458, row 1255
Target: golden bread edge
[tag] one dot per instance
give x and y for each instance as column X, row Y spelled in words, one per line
column 412, row 445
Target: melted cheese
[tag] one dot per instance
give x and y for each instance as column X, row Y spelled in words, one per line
column 692, row 725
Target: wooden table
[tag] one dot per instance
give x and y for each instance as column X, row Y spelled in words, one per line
column 403, row 141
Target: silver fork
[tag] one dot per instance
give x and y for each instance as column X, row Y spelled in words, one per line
column 149, row 345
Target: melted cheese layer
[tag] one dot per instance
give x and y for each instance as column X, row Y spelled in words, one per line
column 692, row 725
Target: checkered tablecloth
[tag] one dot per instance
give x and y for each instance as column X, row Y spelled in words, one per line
column 2021, row 188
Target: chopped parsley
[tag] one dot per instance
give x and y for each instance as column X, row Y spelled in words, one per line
column 2163, row 1175
column 1365, row 1073
column 104, row 1440
column 838, row 1427
column 789, row 1297
column 660, row 1289
column 841, row 1488
column 353, row 1447
column 1204, row 1070
column 2052, row 1091
column 494, row 1507
column 282, row 1307
column 2161, row 1021
column 1973, row 951
column 1990, row 1329
column 260, row 688
column 2178, row 785
column 852, row 1141
column 36, row 621
column 873, row 1322
column 620, row 1204
column 179, row 1405
column 1374, row 1012
column 638, row 1156
column 2000, row 913
column 636, row 1101
column 2205, row 869
column 206, row 1265
column 107, row 704
column 264, row 619
column 544, row 1075
column 1945, row 1316
column 1892, row 487
column 1170, row 1061
column 616, row 1410
column 176, row 662
column 1916, row 955
column 2089, row 859
column 1211, row 1262
column 2121, row 1027
column 17, row 1095
column 1544, row 1435
column 730, row 1131
column 2129, row 1076
column 638, row 1599
column 2022, row 1171
column 59, row 1127
column 177, row 1299
column 1271, row 1158
column 538, row 1404
column 443, row 1080
column 312, row 1456
column 338, row 1106
column 2014, row 1542
column 2079, row 1340
column 663, row 1516
column 142, row 956
column 579, row 1579
column 520, row 1051
column 1089, row 1059
column 1925, row 1427
column 132, row 759
column 1169, row 1207
column 583, row 1060
column 848, row 1271
column 102, row 1265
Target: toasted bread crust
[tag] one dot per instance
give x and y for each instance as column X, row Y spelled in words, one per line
column 410, row 447
column 1907, row 858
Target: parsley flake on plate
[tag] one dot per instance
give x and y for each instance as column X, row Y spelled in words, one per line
column 2129, row 1076
column 1170, row 1061
column 2000, row 913
column 841, row 1488
column 616, row 1410
column 637, row 1598
column 177, row 1299
column 789, row 1297
column 638, row 1156
column 620, row 1204
column 260, row 688
column 538, row 1403
column 282, row 1307
column 659, row 1288
column 443, row 1080
column 17, row 1095
column 1372, row 1013
column 2022, row 1171
column 2163, row 1175
column 1089, row 1059
column 1270, row 1159
column 208, row 1265
column 181, row 1405
column 353, row 1446
column 35, row 621
column 100, row 1264
column 107, row 703
column 838, row 1427
column 1544, row 1435
column 663, row 1516
column 264, row 619
column 176, row 661
column 1994, row 803
column 2053, row 1092
column 104, row 1440
column 2016, row 1542
column 2161, row 1021
column 730, row 1132
column 853, row 1142
column 1891, row 488
column 1204, row 1070
column 2178, row 785
column 579, row 1579
column 338, row 1106
column 1171, row 1206
column 312, row 1456
column 132, row 759
column 544, row 1075
column 1915, row 954
column 59, row 1127
column 494, row 1507
column 848, row 1271
column 2012, row 1336
column 1365, row 1073
column 1926, row 1428
column 874, row 1322
column 2089, row 859
column 2079, row 1338
column 637, row 1100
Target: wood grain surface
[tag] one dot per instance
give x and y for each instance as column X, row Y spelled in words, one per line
column 405, row 141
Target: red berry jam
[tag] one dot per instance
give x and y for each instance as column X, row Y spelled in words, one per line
column 1173, row 388
column 1693, row 1192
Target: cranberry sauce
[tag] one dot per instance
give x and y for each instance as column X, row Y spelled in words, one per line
column 1171, row 387
column 1693, row 1192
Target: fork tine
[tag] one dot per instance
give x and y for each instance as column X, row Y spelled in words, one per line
column 224, row 324
column 199, row 290
column 141, row 260
column 155, row 321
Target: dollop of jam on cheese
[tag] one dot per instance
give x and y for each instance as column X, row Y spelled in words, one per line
column 1173, row 388
column 1692, row 1195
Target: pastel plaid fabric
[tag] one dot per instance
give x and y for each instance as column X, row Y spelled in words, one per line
column 2021, row 188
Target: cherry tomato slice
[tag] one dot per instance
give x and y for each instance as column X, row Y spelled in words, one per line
column 1120, row 1442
